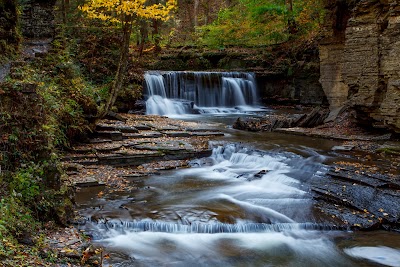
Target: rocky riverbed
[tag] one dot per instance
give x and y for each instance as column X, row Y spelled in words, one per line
column 361, row 193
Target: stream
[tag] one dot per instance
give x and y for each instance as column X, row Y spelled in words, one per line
column 248, row 204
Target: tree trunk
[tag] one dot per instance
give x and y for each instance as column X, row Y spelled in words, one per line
column 156, row 36
column 196, row 11
column 143, row 35
column 122, row 64
column 291, row 22
column 64, row 12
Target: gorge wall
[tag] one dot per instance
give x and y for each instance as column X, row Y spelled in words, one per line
column 360, row 60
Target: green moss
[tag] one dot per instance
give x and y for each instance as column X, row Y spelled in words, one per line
column 390, row 150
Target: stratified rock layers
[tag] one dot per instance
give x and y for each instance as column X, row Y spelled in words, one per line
column 360, row 63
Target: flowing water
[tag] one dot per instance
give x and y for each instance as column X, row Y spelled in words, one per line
column 249, row 204
column 181, row 92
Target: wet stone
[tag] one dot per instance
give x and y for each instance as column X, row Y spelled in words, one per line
column 343, row 148
column 89, row 182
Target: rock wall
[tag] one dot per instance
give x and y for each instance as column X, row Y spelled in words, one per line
column 37, row 19
column 9, row 37
column 360, row 60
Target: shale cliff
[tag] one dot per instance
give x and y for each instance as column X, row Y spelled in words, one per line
column 360, row 60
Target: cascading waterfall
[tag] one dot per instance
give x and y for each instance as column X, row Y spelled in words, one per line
column 238, row 202
column 181, row 92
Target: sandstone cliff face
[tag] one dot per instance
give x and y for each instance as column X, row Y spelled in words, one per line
column 360, row 60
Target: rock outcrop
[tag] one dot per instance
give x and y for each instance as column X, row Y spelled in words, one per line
column 360, row 60
column 37, row 19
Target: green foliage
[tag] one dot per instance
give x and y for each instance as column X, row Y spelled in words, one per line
column 9, row 34
column 16, row 223
column 15, row 219
column 25, row 183
column 259, row 23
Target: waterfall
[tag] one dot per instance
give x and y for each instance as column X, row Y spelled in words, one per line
column 215, row 228
column 182, row 92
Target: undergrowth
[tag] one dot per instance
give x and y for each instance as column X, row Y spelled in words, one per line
column 45, row 104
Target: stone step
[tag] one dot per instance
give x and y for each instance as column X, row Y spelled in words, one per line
column 162, row 148
column 87, row 162
column 143, row 127
column 201, row 130
column 113, row 135
column 108, row 148
column 189, row 134
column 207, row 134
column 177, row 134
column 149, row 134
column 168, row 128
column 89, row 182
column 136, row 160
column 116, row 127
column 99, row 141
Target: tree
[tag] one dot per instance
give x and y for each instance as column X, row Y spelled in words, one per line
column 291, row 22
column 125, row 13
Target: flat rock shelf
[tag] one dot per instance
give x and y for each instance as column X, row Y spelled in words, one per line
column 136, row 147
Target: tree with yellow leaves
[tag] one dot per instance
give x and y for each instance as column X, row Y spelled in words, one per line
column 125, row 13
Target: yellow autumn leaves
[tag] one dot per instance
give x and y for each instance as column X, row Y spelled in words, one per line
column 114, row 10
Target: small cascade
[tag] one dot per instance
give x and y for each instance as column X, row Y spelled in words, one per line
column 181, row 92
column 214, row 228
column 239, row 201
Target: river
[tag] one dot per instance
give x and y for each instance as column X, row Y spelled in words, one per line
column 249, row 204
